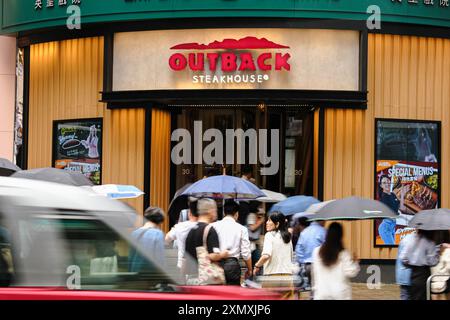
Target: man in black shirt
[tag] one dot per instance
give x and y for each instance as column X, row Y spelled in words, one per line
column 207, row 213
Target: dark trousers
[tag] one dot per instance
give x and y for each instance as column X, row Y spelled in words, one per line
column 232, row 270
column 419, row 276
column 405, row 292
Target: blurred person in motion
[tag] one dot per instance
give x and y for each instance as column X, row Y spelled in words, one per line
column 207, row 213
column 332, row 267
column 179, row 232
column 245, row 207
column 298, row 225
column 255, row 224
column 420, row 254
column 402, row 272
column 277, row 255
column 151, row 239
column 311, row 237
column 233, row 237
column 440, row 283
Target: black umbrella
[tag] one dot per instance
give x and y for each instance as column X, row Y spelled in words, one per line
column 178, row 203
column 434, row 219
column 353, row 208
column 55, row 175
column 7, row 168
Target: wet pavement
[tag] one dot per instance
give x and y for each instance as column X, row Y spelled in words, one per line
column 362, row 292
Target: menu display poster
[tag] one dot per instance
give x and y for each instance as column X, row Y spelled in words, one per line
column 78, row 147
column 407, row 174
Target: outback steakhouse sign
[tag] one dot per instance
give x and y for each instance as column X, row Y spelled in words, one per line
column 245, row 60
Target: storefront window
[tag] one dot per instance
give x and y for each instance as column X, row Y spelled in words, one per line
column 294, row 146
column 298, row 152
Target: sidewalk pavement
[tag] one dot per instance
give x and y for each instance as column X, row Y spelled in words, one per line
column 360, row 291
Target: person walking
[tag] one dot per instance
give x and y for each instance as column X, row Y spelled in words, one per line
column 332, row 267
column 310, row 238
column 179, row 232
column 298, row 225
column 233, row 237
column 151, row 238
column 402, row 272
column 255, row 223
column 420, row 254
column 277, row 255
column 207, row 213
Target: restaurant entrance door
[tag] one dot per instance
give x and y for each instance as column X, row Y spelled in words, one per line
column 287, row 133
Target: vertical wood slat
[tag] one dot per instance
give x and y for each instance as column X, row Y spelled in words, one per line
column 66, row 79
column 160, row 161
column 409, row 78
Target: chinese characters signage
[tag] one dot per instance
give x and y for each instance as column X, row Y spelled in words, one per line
column 428, row 3
column 407, row 174
column 77, row 146
column 40, row 4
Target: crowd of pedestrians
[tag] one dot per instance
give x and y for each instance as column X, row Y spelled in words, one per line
column 282, row 254
column 271, row 250
column 421, row 254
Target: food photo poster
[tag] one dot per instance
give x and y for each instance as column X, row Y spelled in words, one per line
column 407, row 174
column 78, row 147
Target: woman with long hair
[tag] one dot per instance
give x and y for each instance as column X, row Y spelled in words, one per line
column 332, row 267
column 277, row 254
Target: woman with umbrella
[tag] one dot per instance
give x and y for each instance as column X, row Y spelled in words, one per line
column 423, row 253
column 420, row 254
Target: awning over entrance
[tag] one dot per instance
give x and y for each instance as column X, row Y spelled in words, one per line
column 330, row 99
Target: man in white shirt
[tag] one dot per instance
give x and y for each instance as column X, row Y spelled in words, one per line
column 233, row 237
column 179, row 232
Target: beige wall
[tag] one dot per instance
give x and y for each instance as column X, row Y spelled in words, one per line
column 7, row 94
column 65, row 83
column 408, row 78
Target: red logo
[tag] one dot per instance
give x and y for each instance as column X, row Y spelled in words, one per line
column 229, row 61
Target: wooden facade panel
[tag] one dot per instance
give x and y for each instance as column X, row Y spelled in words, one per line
column 124, row 147
column 66, row 79
column 160, row 161
column 408, row 78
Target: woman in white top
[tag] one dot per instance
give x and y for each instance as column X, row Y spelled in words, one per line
column 333, row 267
column 276, row 256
